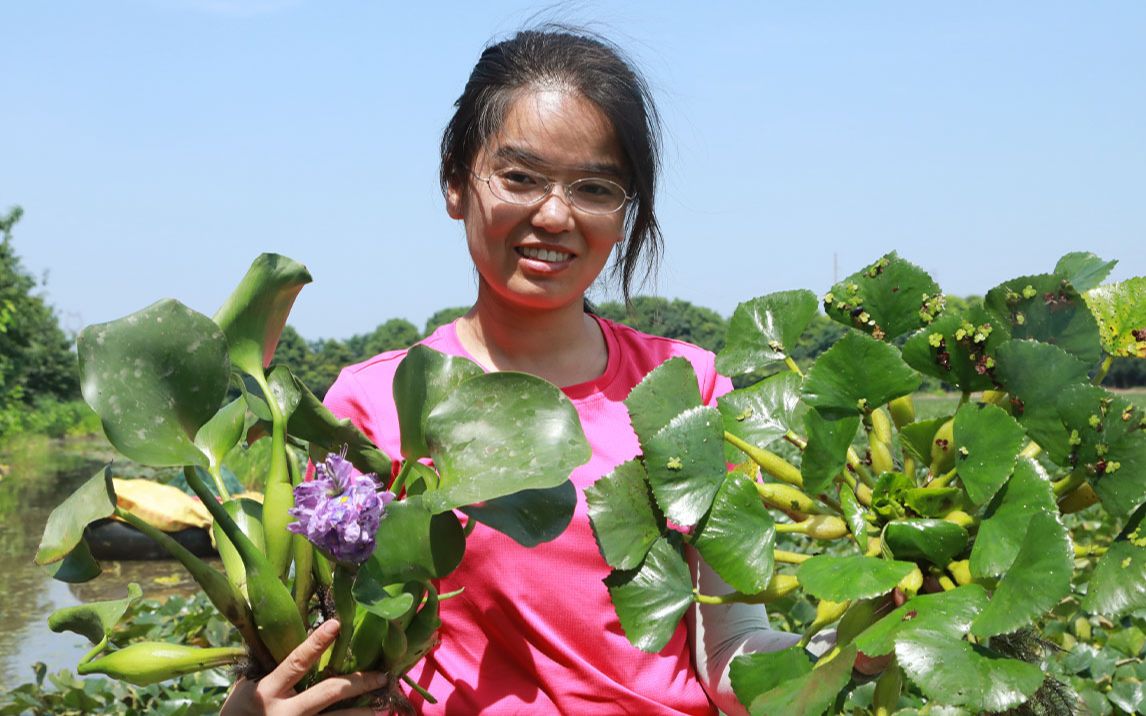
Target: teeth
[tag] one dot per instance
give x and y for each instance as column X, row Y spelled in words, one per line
column 545, row 254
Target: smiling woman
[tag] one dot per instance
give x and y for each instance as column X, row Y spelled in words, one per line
column 550, row 163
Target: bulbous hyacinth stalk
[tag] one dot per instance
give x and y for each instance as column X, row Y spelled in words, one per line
column 339, row 511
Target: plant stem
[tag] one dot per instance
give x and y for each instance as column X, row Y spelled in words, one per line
column 942, row 480
column 787, row 557
column 963, row 400
column 1102, row 370
column 344, row 605
column 858, row 468
column 831, row 502
column 1031, row 450
column 1069, row 483
column 796, row 440
column 792, row 366
column 1088, row 550
column 400, row 481
column 768, row 461
column 416, row 687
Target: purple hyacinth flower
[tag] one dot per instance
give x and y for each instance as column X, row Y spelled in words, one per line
column 339, row 511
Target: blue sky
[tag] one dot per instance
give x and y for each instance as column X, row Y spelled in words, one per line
column 158, row 146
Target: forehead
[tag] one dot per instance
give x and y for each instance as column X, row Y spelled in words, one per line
column 557, row 129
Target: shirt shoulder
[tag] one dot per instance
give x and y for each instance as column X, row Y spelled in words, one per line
column 640, row 353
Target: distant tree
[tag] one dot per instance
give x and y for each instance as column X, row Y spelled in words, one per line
column 442, row 317
column 392, row 335
column 672, row 319
column 36, row 360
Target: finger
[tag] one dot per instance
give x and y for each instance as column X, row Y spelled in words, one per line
column 299, row 661
column 330, row 691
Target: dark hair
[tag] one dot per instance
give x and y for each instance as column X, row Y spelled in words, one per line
column 599, row 71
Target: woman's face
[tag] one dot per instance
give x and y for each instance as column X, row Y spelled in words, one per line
column 546, row 255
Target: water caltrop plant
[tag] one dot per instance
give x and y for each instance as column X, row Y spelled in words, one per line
column 364, row 541
column 940, row 544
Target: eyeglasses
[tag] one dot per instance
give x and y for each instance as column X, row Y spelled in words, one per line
column 591, row 195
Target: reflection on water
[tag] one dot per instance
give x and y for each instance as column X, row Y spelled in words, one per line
column 40, row 474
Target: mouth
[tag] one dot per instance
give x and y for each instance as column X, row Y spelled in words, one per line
column 547, row 255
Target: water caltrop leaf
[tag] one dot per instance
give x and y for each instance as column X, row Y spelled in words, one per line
column 886, row 299
column 155, row 378
column 77, row 566
column 651, row 599
column 1036, row 374
column 424, row 378
column 1118, row 584
column 1037, row 579
column 93, row 500
column 988, row 441
column 810, row 694
column 1001, row 534
column 622, row 515
column 755, row 673
column 498, row 433
column 223, row 431
column 952, row 671
column 841, row 579
column 1108, row 443
column 762, row 332
column 856, row 374
column 255, row 313
column 827, row 450
column 1083, row 269
column 1120, row 310
column 762, row 413
column 666, row 392
column 685, row 463
column 1047, row 308
column 958, row 348
column 946, row 613
column 937, row 541
column 854, row 516
column 737, row 536
column 916, row 437
column 94, row 620
column 528, row 517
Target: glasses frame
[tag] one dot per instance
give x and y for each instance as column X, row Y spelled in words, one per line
column 549, row 184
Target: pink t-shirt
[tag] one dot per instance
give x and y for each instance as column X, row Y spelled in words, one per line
column 535, row 632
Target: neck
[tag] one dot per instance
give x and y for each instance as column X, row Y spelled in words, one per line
column 563, row 345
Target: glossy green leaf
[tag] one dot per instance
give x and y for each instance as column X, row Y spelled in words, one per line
column 916, row 437
column 1108, row 443
column 387, row 601
column 621, row 511
column 1083, row 269
column 762, row 413
column 856, row 374
column 762, row 332
column 223, row 431
column 937, row 541
column 94, row 620
column 886, row 299
column 1001, row 534
column 948, row 614
column 988, row 441
column 1118, row 584
column 77, row 566
column 755, row 673
column 1037, row 579
column 1036, row 374
column 737, row 536
column 854, row 516
column 651, row 599
column 1120, row 310
column 528, row 517
column 685, row 463
column 93, row 500
column 248, row 516
column 932, row 501
column 256, row 311
column 955, row 672
column 666, row 392
column 424, row 379
column 155, row 378
column 840, row 579
column 286, row 389
column 313, row 422
column 422, row 631
column 1046, row 308
column 498, row 433
column 889, row 496
column 958, row 348
column 810, row 694
column 826, row 453
column 419, row 545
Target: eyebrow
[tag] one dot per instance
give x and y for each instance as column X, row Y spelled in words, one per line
column 524, row 156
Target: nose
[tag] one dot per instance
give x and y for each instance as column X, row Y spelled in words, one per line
column 554, row 214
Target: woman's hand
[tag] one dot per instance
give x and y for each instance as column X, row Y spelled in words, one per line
column 274, row 694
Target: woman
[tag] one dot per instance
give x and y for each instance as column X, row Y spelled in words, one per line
column 550, row 162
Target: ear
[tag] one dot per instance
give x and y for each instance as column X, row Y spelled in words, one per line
column 455, row 204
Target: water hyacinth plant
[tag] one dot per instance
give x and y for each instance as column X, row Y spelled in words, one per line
column 363, row 541
column 942, row 544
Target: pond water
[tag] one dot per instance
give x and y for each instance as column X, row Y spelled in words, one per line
column 37, row 474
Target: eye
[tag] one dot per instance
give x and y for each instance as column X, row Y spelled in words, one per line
column 520, row 179
column 599, row 190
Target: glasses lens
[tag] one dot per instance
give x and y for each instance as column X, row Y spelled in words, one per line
column 518, row 186
column 597, row 196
